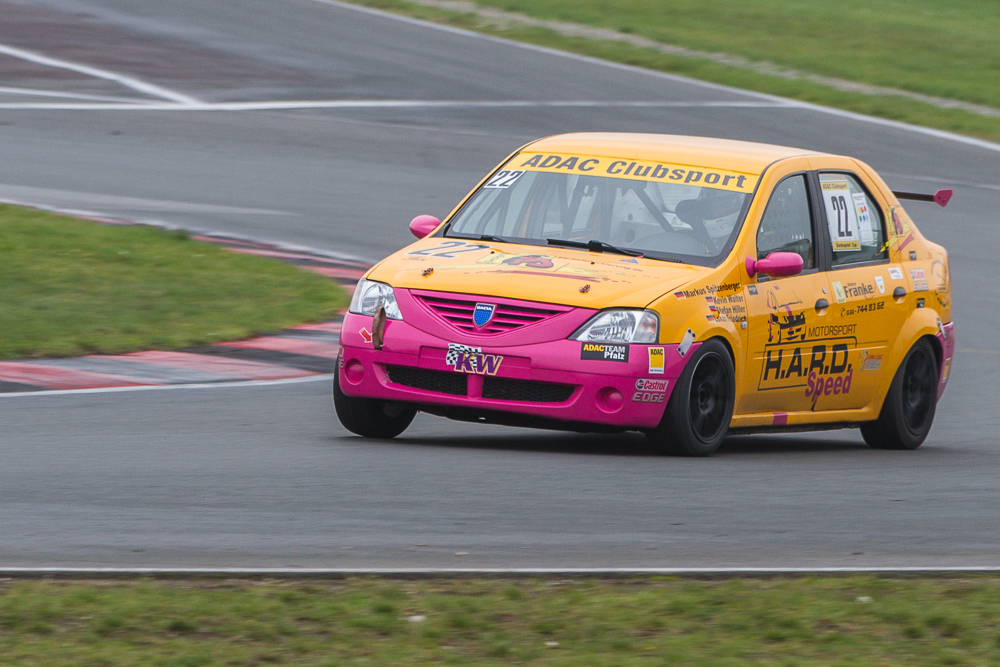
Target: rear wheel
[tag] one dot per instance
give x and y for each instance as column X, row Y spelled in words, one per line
column 700, row 407
column 908, row 411
column 369, row 417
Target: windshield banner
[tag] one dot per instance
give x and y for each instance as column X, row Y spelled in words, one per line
column 637, row 170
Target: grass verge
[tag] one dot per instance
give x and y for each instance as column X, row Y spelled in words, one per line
column 641, row 621
column 71, row 287
column 908, row 47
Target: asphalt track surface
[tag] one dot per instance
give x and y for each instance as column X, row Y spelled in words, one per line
column 264, row 476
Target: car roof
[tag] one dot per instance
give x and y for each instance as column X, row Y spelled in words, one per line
column 729, row 154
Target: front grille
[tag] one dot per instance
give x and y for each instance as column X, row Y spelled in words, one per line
column 457, row 311
column 504, row 389
column 441, row 382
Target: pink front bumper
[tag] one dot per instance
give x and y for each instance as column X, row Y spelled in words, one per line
column 547, row 379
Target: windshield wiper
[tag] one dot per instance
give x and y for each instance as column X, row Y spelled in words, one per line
column 494, row 239
column 594, row 245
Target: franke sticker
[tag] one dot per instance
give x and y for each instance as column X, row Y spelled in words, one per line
column 656, row 361
column 644, row 170
column 895, row 273
column 604, row 352
column 465, row 359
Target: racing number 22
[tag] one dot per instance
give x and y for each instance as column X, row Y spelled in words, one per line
column 449, row 249
column 843, row 222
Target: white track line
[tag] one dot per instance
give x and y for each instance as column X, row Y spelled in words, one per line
column 31, row 92
column 938, row 134
column 127, row 81
column 384, row 104
column 562, row 571
column 151, row 387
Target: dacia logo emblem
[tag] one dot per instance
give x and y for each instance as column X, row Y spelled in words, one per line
column 483, row 314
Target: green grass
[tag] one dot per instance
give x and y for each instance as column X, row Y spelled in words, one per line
column 641, row 621
column 930, row 47
column 71, row 287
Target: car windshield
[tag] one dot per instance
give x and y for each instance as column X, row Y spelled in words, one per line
column 670, row 215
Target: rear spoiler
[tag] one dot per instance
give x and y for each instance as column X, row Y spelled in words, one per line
column 941, row 197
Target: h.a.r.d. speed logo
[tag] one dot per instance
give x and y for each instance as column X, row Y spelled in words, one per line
column 483, row 313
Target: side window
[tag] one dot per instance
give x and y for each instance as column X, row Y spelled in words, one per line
column 853, row 219
column 787, row 222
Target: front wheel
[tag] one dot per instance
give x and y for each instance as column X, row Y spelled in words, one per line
column 700, row 407
column 369, row 417
column 908, row 411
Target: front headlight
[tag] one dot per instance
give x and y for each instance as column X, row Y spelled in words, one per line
column 620, row 326
column 369, row 296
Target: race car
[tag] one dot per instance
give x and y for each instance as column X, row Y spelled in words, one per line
column 684, row 287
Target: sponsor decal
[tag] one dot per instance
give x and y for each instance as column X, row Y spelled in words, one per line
column 838, row 289
column 483, row 313
column 845, row 233
column 648, row 397
column 783, row 325
column 918, row 274
column 817, row 386
column 913, row 254
column 603, row 352
column 629, row 260
column 920, row 286
column 895, row 273
column 870, row 363
column 863, row 308
column 858, row 291
column 504, row 178
column 449, row 249
column 906, row 242
column 686, row 342
column 466, row 359
column 636, row 170
column 651, row 385
column 880, row 284
column 920, row 303
column 530, row 261
column 832, row 331
column 656, row 357
column 752, row 289
column 365, row 335
column 947, row 367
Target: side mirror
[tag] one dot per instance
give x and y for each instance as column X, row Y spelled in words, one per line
column 776, row 265
column 422, row 225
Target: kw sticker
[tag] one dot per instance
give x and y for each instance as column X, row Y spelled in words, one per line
column 466, row 359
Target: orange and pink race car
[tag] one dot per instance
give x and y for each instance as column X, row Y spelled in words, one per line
column 679, row 286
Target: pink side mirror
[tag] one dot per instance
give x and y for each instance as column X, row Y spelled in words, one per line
column 422, row 225
column 775, row 265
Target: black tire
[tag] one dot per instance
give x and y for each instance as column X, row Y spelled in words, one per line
column 701, row 406
column 908, row 411
column 369, row 417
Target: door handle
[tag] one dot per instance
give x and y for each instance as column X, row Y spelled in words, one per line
column 821, row 304
column 898, row 293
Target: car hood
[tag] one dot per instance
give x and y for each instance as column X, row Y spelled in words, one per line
column 533, row 273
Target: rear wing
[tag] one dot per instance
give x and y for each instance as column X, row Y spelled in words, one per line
column 941, row 197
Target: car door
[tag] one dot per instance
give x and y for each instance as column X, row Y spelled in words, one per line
column 782, row 312
column 864, row 315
